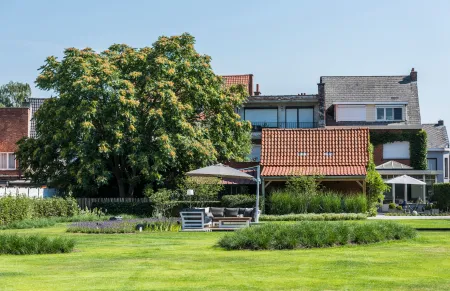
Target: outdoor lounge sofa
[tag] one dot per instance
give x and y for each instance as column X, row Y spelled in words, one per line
column 203, row 218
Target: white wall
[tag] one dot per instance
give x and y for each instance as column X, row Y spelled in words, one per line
column 396, row 150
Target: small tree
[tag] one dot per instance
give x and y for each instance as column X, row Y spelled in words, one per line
column 14, row 94
column 205, row 189
column 162, row 200
column 375, row 185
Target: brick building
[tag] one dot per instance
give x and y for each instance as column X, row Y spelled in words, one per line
column 14, row 125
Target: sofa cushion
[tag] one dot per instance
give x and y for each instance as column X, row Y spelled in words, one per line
column 231, row 212
column 217, row 211
column 248, row 212
column 241, row 211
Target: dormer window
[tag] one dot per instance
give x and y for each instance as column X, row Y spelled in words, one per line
column 389, row 113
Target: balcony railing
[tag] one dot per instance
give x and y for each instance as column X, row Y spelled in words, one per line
column 258, row 126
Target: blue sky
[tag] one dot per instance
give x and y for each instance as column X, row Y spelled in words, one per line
column 287, row 45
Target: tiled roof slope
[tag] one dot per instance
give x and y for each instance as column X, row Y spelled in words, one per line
column 35, row 103
column 373, row 89
column 246, row 80
column 287, row 152
column 437, row 136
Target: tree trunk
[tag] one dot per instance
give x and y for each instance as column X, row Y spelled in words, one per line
column 121, row 185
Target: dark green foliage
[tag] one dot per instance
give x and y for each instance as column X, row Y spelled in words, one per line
column 442, row 195
column 14, row 244
column 417, row 144
column 21, row 207
column 133, row 208
column 375, row 185
column 314, row 234
column 50, row 221
column 238, row 201
column 314, row 217
column 284, row 202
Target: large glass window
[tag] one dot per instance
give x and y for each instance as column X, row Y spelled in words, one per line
column 299, row 117
column 389, row 113
column 432, row 164
column 7, row 161
column 261, row 117
column 446, row 168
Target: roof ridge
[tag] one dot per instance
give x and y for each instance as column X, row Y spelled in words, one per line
column 236, row 75
column 365, row 76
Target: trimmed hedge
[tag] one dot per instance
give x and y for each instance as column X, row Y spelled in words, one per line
column 18, row 208
column 239, row 201
column 14, row 244
column 285, row 202
column 314, row 234
column 442, row 195
column 314, row 217
column 133, row 208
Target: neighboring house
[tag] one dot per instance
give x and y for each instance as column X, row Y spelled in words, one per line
column 339, row 157
column 388, row 106
column 438, row 156
column 14, row 125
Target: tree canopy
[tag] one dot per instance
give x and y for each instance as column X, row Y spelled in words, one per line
column 138, row 116
column 14, row 94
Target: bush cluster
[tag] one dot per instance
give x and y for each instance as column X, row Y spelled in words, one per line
column 314, row 234
column 442, row 195
column 17, row 208
column 238, row 201
column 286, row 202
column 314, row 217
column 133, row 208
column 15, row 244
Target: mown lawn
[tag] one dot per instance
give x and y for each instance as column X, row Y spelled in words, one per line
column 189, row 261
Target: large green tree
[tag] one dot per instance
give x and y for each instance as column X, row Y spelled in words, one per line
column 137, row 116
column 14, row 94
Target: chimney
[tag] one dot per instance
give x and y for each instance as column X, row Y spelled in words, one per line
column 250, row 84
column 413, row 75
column 440, row 122
column 257, row 93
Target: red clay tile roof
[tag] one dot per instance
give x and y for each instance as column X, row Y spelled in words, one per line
column 328, row 152
column 246, row 80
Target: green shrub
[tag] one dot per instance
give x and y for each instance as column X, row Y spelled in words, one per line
column 284, row 202
column 314, row 217
column 132, row 208
column 392, row 205
column 442, row 195
column 238, row 201
column 18, row 208
column 399, row 207
column 313, row 234
column 355, row 203
column 34, row 244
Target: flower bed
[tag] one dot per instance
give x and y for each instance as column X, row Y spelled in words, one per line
column 314, row 217
column 125, row 226
column 314, row 234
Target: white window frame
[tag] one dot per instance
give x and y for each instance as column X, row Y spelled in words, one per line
column 384, row 107
column 8, row 154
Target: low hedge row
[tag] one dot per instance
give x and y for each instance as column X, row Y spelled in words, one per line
column 15, row 244
column 18, row 208
column 314, row 217
column 314, row 234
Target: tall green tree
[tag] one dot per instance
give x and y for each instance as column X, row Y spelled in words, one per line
column 14, row 94
column 137, row 116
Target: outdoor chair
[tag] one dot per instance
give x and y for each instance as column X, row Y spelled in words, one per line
column 195, row 219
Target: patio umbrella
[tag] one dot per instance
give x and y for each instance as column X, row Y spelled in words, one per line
column 220, row 171
column 405, row 179
column 223, row 171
